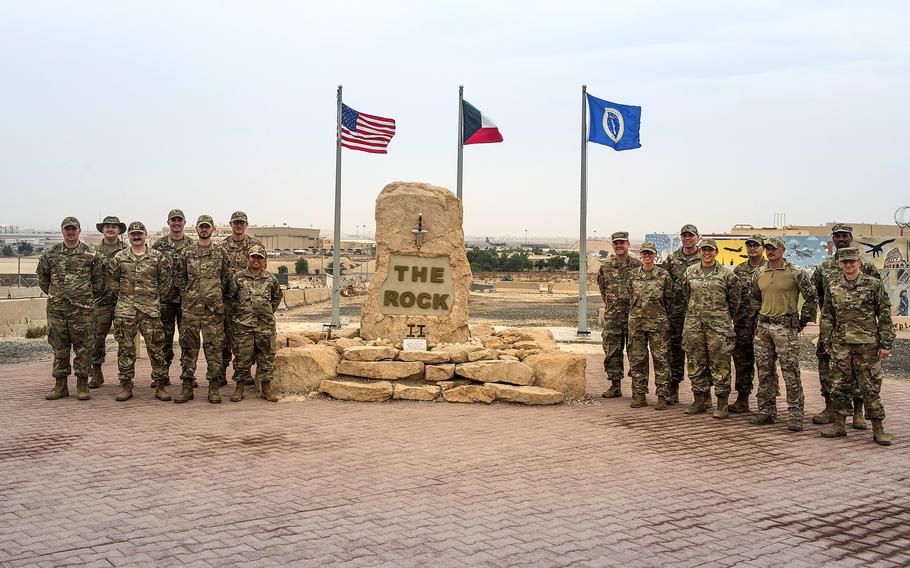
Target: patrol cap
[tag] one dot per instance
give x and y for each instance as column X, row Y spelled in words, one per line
column 256, row 250
column 137, row 227
column 70, row 222
column 774, row 242
column 176, row 213
column 238, row 216
column 620, row 236
column 205, row 220
column 841, row 228
column 689, row 228
column 648, row 247
column 756, row 239
column 707, row 243
column 848, row 253
column 111, row 220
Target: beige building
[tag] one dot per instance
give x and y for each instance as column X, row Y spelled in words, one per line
column 285, row 238
column 860, row 230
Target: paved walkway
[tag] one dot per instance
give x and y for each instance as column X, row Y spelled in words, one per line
column 397, row 484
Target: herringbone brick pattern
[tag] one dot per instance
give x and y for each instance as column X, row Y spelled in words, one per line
column 398, row 484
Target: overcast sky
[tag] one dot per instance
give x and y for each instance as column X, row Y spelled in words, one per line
column 749, row 108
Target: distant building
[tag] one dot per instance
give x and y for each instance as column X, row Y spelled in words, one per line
column 286, row 238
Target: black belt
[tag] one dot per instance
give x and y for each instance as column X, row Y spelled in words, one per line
column 789, row 320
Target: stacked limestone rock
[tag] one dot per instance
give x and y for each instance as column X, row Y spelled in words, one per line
column 512, row 365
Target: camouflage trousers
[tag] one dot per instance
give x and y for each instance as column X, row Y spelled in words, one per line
column 171, row 320
column 708, row 358
column 659, row 344
column 71, row 329
column 125, row 330
column 856, row 366
column 254, row 345
column 615, row 335
column 104, row 319
column 744, row 356
column 677, row 356
column 226, row 350
column 778, row 344
column 825, row 374
column 210, row 327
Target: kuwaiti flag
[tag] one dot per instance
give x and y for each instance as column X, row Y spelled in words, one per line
column 477, row 128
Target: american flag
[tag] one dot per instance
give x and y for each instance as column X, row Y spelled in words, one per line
column 365, row 132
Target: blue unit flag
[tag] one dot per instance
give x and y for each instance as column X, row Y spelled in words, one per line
column 613, row 124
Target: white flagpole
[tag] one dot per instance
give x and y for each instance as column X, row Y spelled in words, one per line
column 460, row 141
column 583, row 223
column 336, row 252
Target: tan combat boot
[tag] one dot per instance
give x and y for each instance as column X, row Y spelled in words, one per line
column 762, row 419
column 825, row 416
column 615, row 390
column 708, row 400
column 267, row 393
column 127, row 392
column 698, row 405
column 60, row 390
column 238, row 392
column 795, row 424
column 186, row 392
column 214, row 395
column 661, row 403
column 859, row 421
column 878, row 433
column 723, row 407
column 741, row 405
column 837, row 428
column 639, row 400
column 97, row 377
column 161, row 392
column 82, row 392
column 673, row 398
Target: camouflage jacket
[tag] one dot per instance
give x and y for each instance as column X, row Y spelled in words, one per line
column 651, row 294
column 204, row 275
column 171, row 249
column 711, row 299
column 676, row 264
column 803, row 283
column 613, row 281
column 857, row 312
column 255, row 298
column 238, row 251
column 138, row 281
column 745, row 272
column 70, row 277
column 828, row 269
column 106, row 252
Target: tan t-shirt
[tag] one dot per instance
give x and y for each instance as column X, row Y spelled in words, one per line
column 779, row 293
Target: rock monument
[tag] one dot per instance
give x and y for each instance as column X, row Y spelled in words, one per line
column 422, row 280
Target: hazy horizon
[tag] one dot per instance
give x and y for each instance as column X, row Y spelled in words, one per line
column 747, row 110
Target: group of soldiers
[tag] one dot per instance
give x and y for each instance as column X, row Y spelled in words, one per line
column 694, row 314
column 218, row 295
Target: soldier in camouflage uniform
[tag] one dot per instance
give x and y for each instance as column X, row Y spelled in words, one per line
column 713, row 294
column 842, row 237
column 138, row 276
column 613, row 280
column 744, row 324
column 857, row 333
column 676, row 264
column 171, row 316
column 110, row 245
column 255, row 295
column 776, row 289
column 651, row 294
column 237, row 245
column 203, row 274
column 70, row 274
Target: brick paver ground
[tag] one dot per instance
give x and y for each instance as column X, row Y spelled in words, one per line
column 322, row 482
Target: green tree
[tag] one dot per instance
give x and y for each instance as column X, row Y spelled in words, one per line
column 540, row 264
column 26, row 249
column 282, row 269
column 573, row 260
column 7, row 251
column 301, row 267
column 556, row 262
